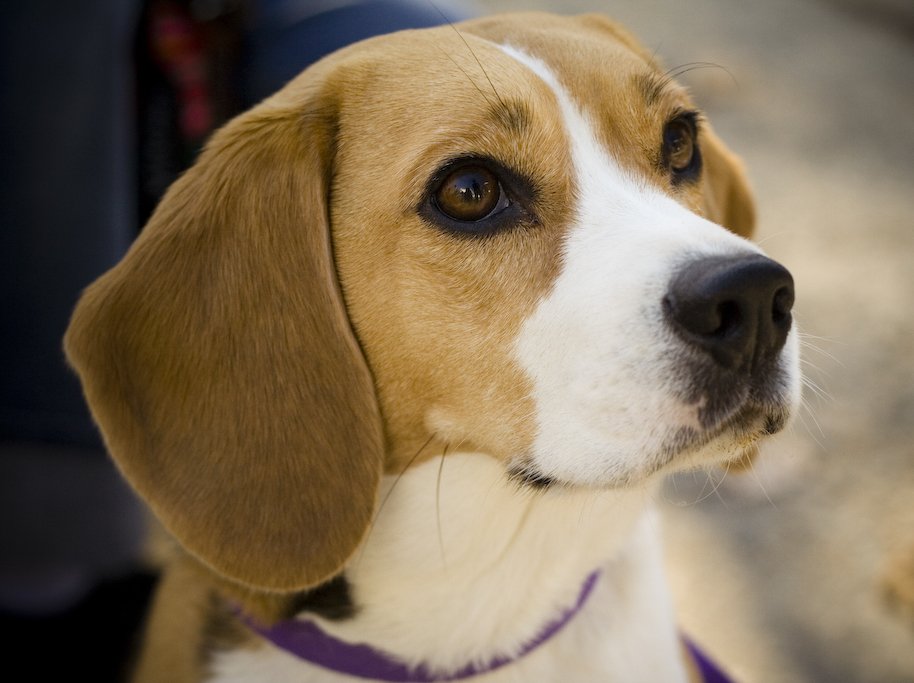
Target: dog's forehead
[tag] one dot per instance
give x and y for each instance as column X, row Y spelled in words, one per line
column 411, row 101
column 458, row 64
column 576, row 48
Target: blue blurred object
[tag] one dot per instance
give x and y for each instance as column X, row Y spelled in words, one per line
column 287, row 35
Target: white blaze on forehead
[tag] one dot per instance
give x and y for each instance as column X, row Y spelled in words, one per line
column 596, row 347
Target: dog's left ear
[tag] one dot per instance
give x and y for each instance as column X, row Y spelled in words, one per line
column 727, row 197
column 220, row 363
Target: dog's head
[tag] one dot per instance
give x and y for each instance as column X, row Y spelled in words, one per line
column 502, row 238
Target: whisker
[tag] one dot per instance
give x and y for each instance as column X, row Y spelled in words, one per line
column 475, row 57
column 704, row 486
column 769, row 236
column 831, row 340
column 683, row 69
column 403, row 471
column 438, row 507
column 465, row 73
column 720, row 483
column 807, row 362
column 654, row 60
column 761, row 485
column 818, row 391
column 390, row 491
column 808, row 345
column 808, row 366
column 704, row 494
column 806, row 410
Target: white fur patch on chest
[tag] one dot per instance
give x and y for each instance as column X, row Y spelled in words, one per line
column 462, row 565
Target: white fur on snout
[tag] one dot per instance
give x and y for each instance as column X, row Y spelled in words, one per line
column 601, row 358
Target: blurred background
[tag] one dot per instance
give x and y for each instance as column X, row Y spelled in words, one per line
column 796, row 571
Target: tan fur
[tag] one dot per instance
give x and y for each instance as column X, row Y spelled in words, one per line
column 898, row 582
column 412, row 288
column 287, row 326
column 727, row 197
column 218, row 361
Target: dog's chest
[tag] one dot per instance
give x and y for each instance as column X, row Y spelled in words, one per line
column 461, row 566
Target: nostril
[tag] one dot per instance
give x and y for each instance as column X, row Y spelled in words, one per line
column 781, row 305
column 731, row 318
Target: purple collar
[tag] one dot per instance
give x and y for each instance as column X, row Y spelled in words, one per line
column 710, row 672
column 307, row 641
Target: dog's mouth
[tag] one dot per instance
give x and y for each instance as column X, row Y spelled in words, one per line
column 732, row 413
column 726, row 425
column 726, row 440
column 528, row 476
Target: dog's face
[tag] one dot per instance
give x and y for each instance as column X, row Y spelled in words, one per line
column 506, row 267
column 503, row 238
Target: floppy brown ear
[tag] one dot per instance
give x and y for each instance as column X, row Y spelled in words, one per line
column 220, row 364
column 727, row 197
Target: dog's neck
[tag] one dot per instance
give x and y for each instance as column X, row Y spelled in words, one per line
column 463, row 566
column 305, row 640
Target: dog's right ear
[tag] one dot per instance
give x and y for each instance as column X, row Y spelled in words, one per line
column 221, row 366
column 728, row 198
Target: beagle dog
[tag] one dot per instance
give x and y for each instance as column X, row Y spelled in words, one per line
column 401, row 361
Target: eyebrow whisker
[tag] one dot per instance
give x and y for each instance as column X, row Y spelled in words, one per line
column 470, row 50
column 465, row 73
column 683, row 69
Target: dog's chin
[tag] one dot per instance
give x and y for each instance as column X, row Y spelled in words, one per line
column 685, row 448
column 728, row 441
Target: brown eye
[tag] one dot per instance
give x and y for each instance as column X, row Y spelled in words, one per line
column 680, row 147
column 470, row 194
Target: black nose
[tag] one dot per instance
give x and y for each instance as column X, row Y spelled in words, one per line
column 737, row 309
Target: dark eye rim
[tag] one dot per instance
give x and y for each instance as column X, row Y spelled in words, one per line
column 516, row 189
column 691, row 172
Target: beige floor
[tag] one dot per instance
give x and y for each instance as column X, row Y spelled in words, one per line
column 778, row 572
